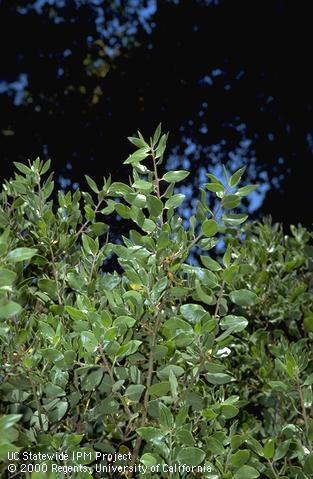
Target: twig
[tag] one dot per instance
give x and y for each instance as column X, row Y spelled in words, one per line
column 157, row 181
column 82, row 228
column 111, row 374
column 273, row 469
column 146, row 396
column 219, row 298
column 304, row 414
column 37, row 402
column 55, row 274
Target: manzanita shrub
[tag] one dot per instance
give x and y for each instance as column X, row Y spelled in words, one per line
column 163, row 368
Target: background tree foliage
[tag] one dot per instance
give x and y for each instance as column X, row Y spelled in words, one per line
column 175, row 363
column 230, row 80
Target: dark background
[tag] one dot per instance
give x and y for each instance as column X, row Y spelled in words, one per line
column 230, row 79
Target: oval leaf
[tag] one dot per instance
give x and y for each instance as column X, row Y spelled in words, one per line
column 175, row 176
column 243, row 297
column 191, row 456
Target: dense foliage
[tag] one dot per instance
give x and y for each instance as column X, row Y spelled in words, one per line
column 169, row 362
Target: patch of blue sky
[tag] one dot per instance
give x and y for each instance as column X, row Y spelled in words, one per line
column 257, row 197
column 190, row 148
column 205, row 80
column 216, row 72
column 309, row 139
column 64, row 182
column 118, row 30
column 15, row 88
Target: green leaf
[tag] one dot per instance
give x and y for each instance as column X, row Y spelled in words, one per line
column 175, row 176
column 173, row 384
column 52, row 354
column 191, row 456
column 240, row 458
column 161, row 146
column 269, row 449
column 281, row 450
column 89, row 341
column 128, row 349
column 192, row 312
column 120, row 189
column 92, row 379
column 236, row 323
column 185, row 437
column 308, row 322
column 236, row 177
column 291, row 365
column 229, row 410
column 7, row 277
column 124, row 321
column 134, row 392
column 181, row 416
column 227, row 257
column 174, row 201
column 165, row 371
column 213, row 178
column 209, row 228
column 123, row 210
column 150, row 433
column 155, row 206
column 148, row 225
column 159, row 389
column 230, row 274
column 58, row 412
column 8, row 421
column 215, row 446
column 237, row 440
column 255, row 446
column 243, row 297
column 46, row 167
column 76, row 313
column 219, row 378
column 215, row 187
column 157, row 134
column 234, row 219
column 143, row 185
column 90, row 245
column 22, row 168
column 230, row 201
column 246, row 472
column 149, row 460
column 308, row 464
column 166, row 417
column 92, row 184
column 210, row 263
column 246, row 190
column 138, row 156
column 139, row 142
column 136, row 199
column 194, row 400
column 8, row 308
column 203, row 296
column 48, row 286
column 51, row 390
column 21, row 254
column 99, row 228
column 309, row 380
column 133, row 296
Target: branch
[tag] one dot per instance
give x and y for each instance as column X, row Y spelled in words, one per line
column 55, row 274
column 146, row 396
column 157, row 181
column 82, row 228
